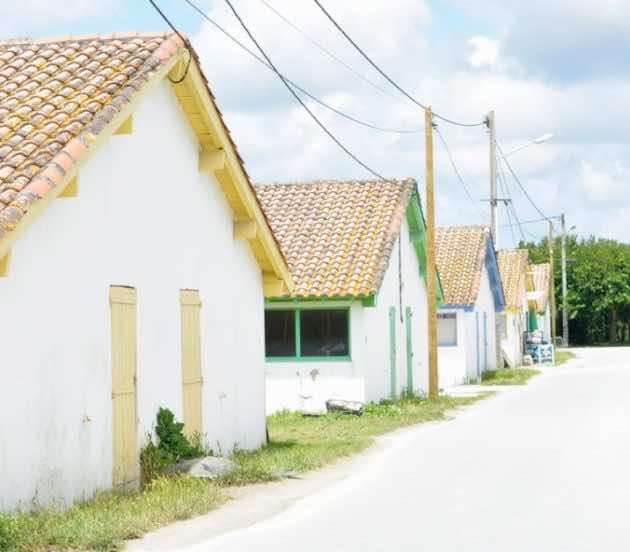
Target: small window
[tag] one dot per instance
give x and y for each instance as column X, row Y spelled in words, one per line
column 324, row 333
column 280, row 333
column 447, row 329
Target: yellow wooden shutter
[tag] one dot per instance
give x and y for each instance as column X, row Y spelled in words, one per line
column 124, row 419
column 191, row 362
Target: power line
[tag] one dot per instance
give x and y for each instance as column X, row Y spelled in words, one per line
column 330, row 54
column 506, row 188
column 183, row 39
column 297, row 97
column 294, row 84
column 519, row 183
column 385, row 75
column 457, row 172
column 506, row 194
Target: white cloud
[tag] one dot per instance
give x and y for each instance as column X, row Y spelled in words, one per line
column 280, row 142
column 39, row 12
column 605, row 184
column 485, row 51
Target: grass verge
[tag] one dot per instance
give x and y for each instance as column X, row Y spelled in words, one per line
column 509, row 376
column 297, row 444
column 110, row 518
column 563, row 356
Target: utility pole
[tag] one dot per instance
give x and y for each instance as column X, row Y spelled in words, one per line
column 431, row 270
column 552, row 285
column 493, row 178
column 565, row 301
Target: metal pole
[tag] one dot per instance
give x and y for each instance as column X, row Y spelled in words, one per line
column 565, row 300
column 552, row 284
column 493, row 178
column 431, row 271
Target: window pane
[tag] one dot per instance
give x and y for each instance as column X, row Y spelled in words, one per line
column 279, row 333
column 447, row 329
column 324, row 333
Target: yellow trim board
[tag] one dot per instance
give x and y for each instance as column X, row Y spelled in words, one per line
column 245, row 230
column 72, row 188
column 126, row 127
column 4, row 265
column 211, row 161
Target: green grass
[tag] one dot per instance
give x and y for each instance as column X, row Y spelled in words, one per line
column 297, row 443
column 509, row 376
column 106, row 521
column 563, row 356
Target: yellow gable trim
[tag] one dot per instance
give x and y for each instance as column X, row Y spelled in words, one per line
column 202, row 113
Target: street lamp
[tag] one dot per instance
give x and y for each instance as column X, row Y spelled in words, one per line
column 540, row 140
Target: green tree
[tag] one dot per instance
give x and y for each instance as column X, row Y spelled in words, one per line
column 599, row 287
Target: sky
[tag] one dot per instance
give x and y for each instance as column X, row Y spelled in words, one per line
column 543, row 66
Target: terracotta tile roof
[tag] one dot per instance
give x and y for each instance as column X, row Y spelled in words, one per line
column 56, row 95
column 460, row 252
column 337, row 236
column 513, row 267
column 541, row 273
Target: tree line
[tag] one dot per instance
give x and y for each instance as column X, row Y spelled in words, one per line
column 598, row 275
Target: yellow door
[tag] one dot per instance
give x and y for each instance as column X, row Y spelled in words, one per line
column 191, row 362
column 124, row 420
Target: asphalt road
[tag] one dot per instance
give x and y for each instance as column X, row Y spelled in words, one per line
column 545, row 467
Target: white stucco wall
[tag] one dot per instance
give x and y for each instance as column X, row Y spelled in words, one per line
column 475, row 351
column 487, row 332
column 298, row 385
column 512, row 342
column 144, row 217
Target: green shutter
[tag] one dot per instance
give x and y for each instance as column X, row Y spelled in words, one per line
column 392, row 352
column 409, row 351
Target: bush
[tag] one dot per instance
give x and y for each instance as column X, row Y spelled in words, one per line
column 173, row 444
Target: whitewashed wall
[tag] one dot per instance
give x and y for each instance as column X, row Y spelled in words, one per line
column 307, row 385
column 463, row 362
column 452, row 362
column 485, row 305
column 144, row 217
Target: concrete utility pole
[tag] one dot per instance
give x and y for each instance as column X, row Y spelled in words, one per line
column 493, row 177
column 431, row 270
column 552, row 285
column 565, row 301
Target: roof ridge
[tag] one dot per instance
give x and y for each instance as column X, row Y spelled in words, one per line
column 337, row 182
column 25, row 41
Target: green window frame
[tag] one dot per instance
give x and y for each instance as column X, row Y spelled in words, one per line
column 298, row 336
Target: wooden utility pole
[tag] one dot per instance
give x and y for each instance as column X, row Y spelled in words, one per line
column 552, row 285
column 431, row 270
column 493, row 178
column 565, row 300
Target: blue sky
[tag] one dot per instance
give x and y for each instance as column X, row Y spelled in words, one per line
column 542, row 66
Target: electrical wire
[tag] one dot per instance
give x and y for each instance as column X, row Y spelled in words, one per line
column 546, row 219
column 506, row 194
column 183, row 39
column 294, row 84
column 385, row 75
column 299, row 100
column 330, row 54
column 510, row 206
column 516, row 178
column 457, row 173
